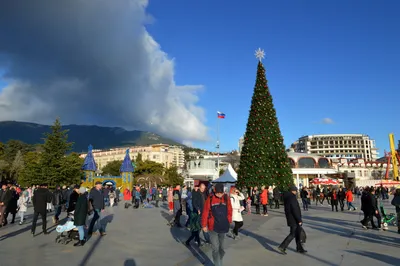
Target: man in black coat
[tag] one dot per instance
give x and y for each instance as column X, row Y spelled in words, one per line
column 367, row 207
column 5, row 198
column 40, row 199
column 294, row 221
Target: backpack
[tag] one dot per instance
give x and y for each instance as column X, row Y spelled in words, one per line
column 226, row 204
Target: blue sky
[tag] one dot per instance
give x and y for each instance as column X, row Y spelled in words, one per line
column 324, row 59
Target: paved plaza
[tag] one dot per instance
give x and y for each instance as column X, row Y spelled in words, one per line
column 142, row 237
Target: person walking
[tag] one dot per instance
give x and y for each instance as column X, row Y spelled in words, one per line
column 264, row 200
column 40, row 200
column 277, row 196
column 304, row 198
column 334, row 199
column 216, row 219
column 341, row 196
column 57, row 203
column 375, row 212
column 349, row 199
column 366, row 207
column 237, row 208
column 396, row 202
column 22, row 207
column 294, row 221
column 96, row 198
column 80, row 214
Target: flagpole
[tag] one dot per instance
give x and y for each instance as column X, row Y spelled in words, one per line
column 218, row 143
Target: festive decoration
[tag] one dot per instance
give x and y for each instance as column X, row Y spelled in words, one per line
column 263, row 160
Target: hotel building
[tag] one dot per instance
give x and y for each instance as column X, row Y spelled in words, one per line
column 160, row 153
column 348, row 146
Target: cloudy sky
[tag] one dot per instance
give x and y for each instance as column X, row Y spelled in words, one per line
column 331, row 66
column 92, row 62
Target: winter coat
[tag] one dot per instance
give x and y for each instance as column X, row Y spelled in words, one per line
column 349, row 196
column 366, row 203
column 127, row 194
column 57, row 197
column 341, row 195
column 277, row 193
column 40, row 199
column 207, row 216
column 81, row 210
column 72, row 201
column 264, row 197
column 23, row 204
column 97, row 199
column 237, row 207
column 13, row 203
column 292, row 209
column 5, row 196
column 177, row 201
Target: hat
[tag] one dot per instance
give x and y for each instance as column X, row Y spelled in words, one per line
column 98, row 183
column 76, row 187
column 82, row 190
column 293, row 188
column 219, row 188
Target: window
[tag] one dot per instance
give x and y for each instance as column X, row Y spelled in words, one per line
column 323, row 163
column 306, row 162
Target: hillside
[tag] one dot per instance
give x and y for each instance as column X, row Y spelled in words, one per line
column 82, row 136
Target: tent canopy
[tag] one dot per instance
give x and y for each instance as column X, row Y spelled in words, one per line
column 229, row 176
column 324, row 181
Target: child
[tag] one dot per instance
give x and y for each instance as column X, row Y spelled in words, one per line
column 195, row 228
column 248, row 207
column 22, row 206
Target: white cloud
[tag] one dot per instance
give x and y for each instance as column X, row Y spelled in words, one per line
column 327, row 121
column 92, row 62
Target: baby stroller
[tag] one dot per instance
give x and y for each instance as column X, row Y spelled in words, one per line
column 67, row 232
column 388, row 219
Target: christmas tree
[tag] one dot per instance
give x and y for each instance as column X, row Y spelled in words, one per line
column 263, row 160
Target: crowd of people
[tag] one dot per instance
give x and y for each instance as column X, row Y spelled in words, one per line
column 208, row 209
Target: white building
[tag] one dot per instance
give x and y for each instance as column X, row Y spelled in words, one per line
column 160, row 153
column 349, row 146
column 240, row 144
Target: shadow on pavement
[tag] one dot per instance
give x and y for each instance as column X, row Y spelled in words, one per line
column 130, row 262
column 377, row 238
column 389, row 260
column 181, row 235
column 270, row 244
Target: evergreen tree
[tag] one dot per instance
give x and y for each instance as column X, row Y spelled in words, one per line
column 55, row 147
column 263, row 160
column 112, row 168
column 31, row 174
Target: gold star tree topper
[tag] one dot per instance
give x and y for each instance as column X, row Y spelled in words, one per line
column 260, row 54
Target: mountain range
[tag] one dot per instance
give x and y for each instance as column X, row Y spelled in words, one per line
column 82, row 135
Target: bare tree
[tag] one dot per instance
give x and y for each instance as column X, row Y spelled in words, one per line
column 3, row 169
column 17, row 165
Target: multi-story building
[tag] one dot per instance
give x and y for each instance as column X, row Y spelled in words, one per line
column 160, row 153
column 241, row 141
column 348, row 146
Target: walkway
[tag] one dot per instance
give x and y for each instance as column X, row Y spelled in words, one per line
column 141, row 237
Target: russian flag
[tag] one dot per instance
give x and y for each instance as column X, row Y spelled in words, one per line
column 221, row 115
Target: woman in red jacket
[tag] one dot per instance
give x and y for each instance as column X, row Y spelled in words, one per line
column 264, row 200
column 127, row 194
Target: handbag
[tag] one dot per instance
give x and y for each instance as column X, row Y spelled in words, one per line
column 303, row 236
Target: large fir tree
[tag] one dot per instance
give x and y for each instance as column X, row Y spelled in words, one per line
column 55, row 147
column 263, row 160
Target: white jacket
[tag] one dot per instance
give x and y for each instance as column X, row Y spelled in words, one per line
column 236, row 207
column 22, row 203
